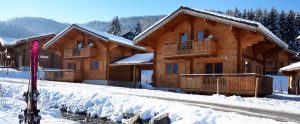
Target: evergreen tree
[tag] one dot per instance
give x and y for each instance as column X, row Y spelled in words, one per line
column 265, row 19
column 137, row 29
column 292, row 30
column 282, row 25
column 115, row 27
column 272, row 24
column 250, row 14
column 229, row 12
column 259, row 16
column 237, row 13
column 298, row 22
column 245, row 14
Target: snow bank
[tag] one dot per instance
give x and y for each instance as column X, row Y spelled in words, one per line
column 12, row 73
column 98, row 101
column 11, row 108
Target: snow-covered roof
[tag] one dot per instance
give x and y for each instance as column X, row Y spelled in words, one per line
column 298, row 38
column 13, row 42
column 137, row 58
column 1, row 42
column 6, row 41
column 234, row 21
column 99, row 34
column 291, row 67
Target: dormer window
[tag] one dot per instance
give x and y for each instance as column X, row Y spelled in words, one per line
column 200, row 35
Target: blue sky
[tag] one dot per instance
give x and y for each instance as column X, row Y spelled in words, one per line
column 81, row 11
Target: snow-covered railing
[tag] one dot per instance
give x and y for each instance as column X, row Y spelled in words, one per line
column 230, row 84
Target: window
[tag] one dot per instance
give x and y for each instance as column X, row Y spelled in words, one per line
column 172, row 68
column 72, row 66
column 183, row 37
column 175, row 68
column 200, row 35
column 95, row 65
column 213, row 68
column 208, row 68
column 218, row 68
column 169, row 68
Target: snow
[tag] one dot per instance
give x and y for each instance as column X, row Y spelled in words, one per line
column 252, row 25
column 97, row 101
column 111, row 102
column 298, row 38
column 291, row 67
column 280, row 84
column 13, row 42
column 6, row 41
column 12, row 73
column 102, row 35
column 137, row 58
column 1, row 42
column 11, row 108
column 146, row 79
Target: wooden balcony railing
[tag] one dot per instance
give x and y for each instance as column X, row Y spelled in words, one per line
column 206, row 47
column 63, row 75
column 82, row 52
column 230, row 84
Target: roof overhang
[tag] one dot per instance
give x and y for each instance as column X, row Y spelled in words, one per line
column 237, row 22
column 67, row 30
column 291, row 67
column 82, row 29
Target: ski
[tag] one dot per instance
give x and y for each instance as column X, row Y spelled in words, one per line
column 31, row 113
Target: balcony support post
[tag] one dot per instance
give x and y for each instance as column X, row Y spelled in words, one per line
column 256, row 87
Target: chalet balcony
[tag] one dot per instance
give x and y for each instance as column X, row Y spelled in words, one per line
column 80, row 53
column 190, row 49
column 241, row 84
column 63, row 75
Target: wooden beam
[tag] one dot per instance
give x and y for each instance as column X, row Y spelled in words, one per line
column 134, row 76
column 191, row 66
column 107, row 60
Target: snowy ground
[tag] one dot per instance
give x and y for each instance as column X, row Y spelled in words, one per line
column 106, row 101
column 10, row 108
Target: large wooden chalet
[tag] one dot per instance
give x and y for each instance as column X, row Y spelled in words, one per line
column 19, row 53
column 205, row 52
column 86, row 55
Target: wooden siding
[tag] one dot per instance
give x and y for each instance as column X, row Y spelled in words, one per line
column 78, row 53
column 70, row 76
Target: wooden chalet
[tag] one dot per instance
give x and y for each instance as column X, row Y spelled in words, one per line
column 19, row 49
column 205, row 52
column 87, row 53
